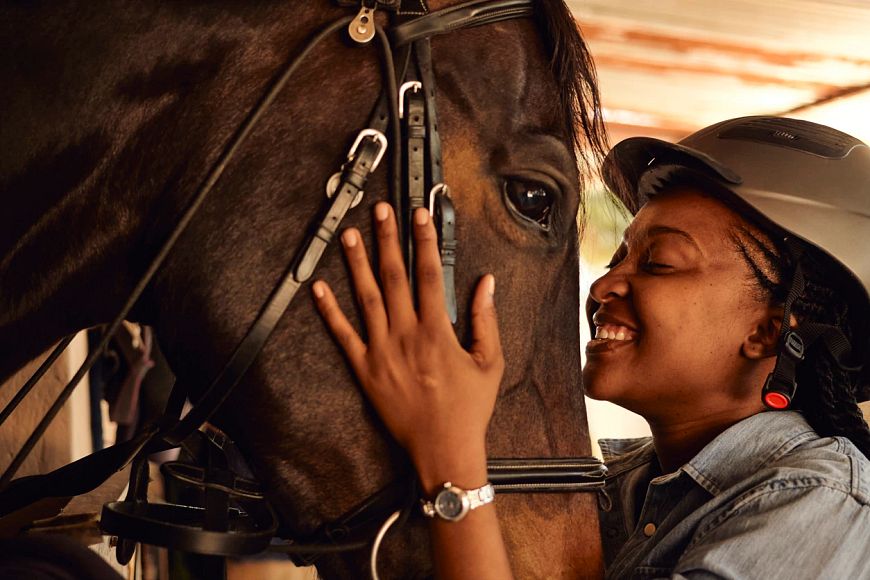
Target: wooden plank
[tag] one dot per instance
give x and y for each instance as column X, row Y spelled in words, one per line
column 815, row 26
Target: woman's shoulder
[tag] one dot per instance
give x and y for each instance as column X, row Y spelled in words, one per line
column 828, row 463
column 771, row 452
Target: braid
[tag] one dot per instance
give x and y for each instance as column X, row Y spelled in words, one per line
column 826, row 393
column 830, row 406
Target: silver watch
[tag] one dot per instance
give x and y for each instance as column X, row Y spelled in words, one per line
column 453, row 503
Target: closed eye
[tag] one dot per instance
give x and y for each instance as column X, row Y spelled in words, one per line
column 656, row 266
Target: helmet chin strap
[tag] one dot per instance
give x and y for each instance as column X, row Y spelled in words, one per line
column 781, row 384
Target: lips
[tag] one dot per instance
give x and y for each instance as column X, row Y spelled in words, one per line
column 611, row 333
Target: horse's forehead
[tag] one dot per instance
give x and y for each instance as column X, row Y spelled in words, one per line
column 503, row 64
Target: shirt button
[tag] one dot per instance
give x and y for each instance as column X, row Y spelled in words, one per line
column 649, row 530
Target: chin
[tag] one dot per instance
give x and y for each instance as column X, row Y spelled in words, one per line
column 597, row 385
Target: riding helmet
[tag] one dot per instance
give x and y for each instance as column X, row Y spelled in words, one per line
column 803, row 180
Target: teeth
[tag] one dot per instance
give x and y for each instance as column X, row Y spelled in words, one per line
column 613, row 333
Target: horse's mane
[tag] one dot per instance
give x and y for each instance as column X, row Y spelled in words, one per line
column 579, row 100
column 578, row 85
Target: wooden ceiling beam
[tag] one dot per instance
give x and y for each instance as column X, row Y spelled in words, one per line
column 593, row 31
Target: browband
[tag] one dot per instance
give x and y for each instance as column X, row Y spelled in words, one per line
column 460, row 17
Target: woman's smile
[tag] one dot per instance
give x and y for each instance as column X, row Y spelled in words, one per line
column 670, row 316
column 609, row 335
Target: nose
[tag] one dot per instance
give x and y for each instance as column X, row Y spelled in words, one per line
column 611, row 285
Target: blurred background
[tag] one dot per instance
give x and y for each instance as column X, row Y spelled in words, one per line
column 669, row 67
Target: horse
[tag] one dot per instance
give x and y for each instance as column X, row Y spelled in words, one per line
column 112, row 113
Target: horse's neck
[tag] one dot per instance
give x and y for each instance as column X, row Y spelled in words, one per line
column 58, row 258
column 70, row 173
column 112, row 124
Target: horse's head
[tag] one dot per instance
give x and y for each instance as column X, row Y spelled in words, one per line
column 505, row 96
column 515, row 100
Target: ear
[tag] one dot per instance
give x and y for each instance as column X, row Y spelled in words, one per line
column 763, row 338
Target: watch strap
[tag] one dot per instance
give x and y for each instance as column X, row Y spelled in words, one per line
column 481, row 496
column 476, row 498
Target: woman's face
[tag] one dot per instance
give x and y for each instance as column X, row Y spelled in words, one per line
column 672, row 314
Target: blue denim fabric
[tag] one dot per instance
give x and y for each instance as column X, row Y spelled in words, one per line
column 768, row 498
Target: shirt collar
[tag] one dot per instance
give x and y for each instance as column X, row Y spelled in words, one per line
column 746, row 447
column 621, row 455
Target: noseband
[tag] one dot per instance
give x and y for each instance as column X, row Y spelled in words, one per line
column 236, row 519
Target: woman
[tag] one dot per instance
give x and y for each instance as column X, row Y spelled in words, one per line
column 734, row 319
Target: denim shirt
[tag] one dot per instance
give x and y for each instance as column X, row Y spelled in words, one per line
column 768, row 498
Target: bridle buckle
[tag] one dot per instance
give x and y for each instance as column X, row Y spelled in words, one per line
column 416, row 86
column 378, row 137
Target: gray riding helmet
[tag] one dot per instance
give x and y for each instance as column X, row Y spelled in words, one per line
column 811, row 181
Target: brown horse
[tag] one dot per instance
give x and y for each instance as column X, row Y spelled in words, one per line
column 112, row 112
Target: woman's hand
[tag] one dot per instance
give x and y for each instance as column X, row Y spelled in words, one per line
column 435, row 397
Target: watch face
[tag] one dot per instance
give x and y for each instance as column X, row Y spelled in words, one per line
column 450, row 504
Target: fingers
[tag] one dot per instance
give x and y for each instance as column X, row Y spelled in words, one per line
column 368, row 293
column 397, row 290
column 339, row 325
column 486, row 345
column 430, row 278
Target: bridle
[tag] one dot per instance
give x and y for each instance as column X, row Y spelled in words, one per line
column 236, row 519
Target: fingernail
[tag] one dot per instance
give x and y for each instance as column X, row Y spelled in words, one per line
column 349, row 238
column 319, row 289
column 421, row 216
column 381, row 212
column 490, row 285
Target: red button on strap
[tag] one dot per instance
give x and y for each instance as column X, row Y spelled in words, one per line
column 776, row 400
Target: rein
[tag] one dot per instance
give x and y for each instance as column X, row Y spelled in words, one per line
column 236, row 519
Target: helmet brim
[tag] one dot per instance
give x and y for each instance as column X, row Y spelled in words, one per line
column 629, row 159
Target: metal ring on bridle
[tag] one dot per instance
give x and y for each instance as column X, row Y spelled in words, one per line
column 379, row 538
column 332, row 185
column 416, row 86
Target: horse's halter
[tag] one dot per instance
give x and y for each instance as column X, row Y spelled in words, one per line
column 404, row 114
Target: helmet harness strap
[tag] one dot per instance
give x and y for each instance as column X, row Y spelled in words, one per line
column 781, row 384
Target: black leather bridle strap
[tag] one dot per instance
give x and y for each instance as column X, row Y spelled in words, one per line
column 466, row 15
column 438, row 198
column 414, row 125
column 423, row 52
column 445, row 217
column 355, row 529
column 73, row 479
column 363, row 159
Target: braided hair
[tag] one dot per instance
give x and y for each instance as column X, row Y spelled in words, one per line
column 827, row 394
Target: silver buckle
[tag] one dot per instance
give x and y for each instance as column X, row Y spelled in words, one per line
column 377, row 136
column 433, row 193
column 416, row 86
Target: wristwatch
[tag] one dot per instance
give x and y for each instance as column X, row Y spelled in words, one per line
column 453, row 503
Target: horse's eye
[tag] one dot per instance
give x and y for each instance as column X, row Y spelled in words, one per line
column 531, row 201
